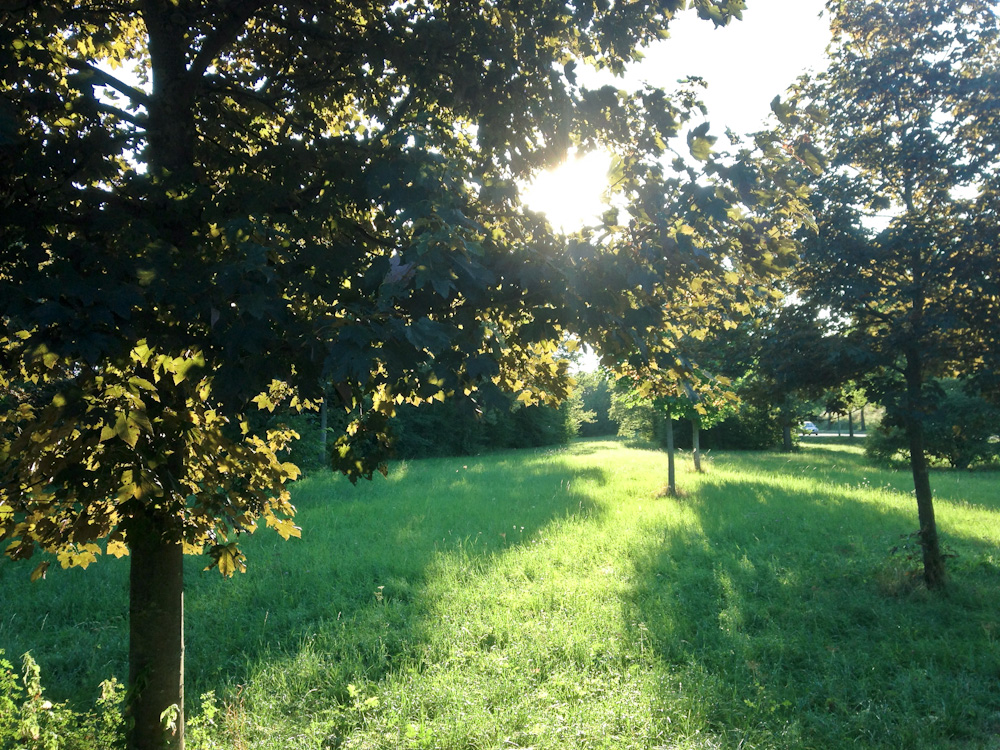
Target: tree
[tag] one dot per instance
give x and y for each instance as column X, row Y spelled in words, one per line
column 647, row 403
column 795, row 359
column 906, row 114
column 704, row 405
column 846, row 398
column 717, row 401
column 212, row 209
column 595, row 393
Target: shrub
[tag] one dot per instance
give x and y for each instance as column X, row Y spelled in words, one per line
column 455, row 428
column 751, row 429
column 886, row 444
column 960, row 431
column 29, row 720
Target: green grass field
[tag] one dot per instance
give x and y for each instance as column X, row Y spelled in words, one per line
column 554, row 599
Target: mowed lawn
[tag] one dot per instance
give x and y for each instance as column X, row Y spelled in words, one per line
column 555, row 599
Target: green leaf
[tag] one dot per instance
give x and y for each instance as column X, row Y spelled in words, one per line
column 184, row 367
column 141, row 383
column 811, row 156
column 126, row 429
column 786, row 113
column 700, row 143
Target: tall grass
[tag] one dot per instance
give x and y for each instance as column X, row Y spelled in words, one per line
column 555, row 599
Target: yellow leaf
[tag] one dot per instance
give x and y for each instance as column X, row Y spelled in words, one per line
column 284, row 527
column 263, row 402
column 40, row 571
column 229, row 560
column 117, row 548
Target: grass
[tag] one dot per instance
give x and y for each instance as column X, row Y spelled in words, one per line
column 554, row 599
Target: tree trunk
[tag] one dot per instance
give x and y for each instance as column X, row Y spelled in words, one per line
column 934, row 572
column 786, row 431
column 671, row 476
column 696, row 443
column 322, row 429
column 850, row 423
column 155, row 710
column 863, row 420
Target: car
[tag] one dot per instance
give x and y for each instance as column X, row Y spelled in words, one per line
column 808, row 428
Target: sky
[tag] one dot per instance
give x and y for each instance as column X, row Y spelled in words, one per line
column 745, row 64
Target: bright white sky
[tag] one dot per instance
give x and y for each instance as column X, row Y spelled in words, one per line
column 745, row 64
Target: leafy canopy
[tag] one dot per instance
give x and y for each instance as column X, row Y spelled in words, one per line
column 211, row 208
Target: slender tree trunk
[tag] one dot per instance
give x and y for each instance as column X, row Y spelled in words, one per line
column 322, row 428
column 671, row 476
column 850, row 423
column 863, row 420
column 696, row 443
column 934, row 571
column 156, row 638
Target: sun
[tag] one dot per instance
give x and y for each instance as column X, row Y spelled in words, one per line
column 573, row 195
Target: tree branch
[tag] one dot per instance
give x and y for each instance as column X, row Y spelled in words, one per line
column 92, row 76
column 137, row 120
column 235, row 15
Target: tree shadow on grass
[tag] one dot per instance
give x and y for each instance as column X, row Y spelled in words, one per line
column 791, row 625
column 354, row 578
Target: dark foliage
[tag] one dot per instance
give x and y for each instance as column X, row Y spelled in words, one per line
column 960, row 430
column 456, row 428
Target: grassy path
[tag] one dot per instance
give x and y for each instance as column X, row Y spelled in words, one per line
column 552, row 599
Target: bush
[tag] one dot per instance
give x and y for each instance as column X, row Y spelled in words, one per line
column 959, row 432
column 751, row 429
column 886, row 444
column 28, row 720
column 455, row 428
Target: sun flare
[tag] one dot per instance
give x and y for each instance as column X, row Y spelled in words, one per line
column 573, row 195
